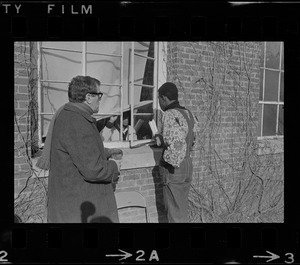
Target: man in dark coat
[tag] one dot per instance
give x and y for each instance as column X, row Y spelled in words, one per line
column 175, row 166
column 80, row 186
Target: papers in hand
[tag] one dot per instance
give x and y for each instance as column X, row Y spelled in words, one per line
column 153, row 127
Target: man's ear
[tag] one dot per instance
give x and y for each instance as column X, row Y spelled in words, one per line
column 88, row 98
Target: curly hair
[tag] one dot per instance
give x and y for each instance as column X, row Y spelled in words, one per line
column 80, row 86
column 169, row 90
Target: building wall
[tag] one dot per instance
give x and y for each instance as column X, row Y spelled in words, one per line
column 22, row 145
column 219, row 83
column 148, row 183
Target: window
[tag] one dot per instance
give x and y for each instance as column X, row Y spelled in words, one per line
column 271, row 97
column 128, row 74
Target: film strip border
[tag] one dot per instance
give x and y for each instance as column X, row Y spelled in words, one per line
column 166, row 244
column 127, row 20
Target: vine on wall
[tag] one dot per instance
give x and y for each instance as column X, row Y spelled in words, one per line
column 30, row 202
column 219, row 82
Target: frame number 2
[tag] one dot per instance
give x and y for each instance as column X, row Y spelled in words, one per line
column 3, row 255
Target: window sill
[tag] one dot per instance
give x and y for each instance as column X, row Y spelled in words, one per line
column 270, row 146
column 141, row 157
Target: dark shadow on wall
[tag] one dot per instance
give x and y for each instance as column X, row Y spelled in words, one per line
column 88, row 209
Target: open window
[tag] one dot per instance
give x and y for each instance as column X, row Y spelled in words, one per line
column 128, row 75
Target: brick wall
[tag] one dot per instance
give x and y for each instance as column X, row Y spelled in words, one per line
column 149, row 184
column 219, row 83
column 22, row 121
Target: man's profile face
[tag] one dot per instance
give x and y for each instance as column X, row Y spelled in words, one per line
column 95, row 101
column 162, row 102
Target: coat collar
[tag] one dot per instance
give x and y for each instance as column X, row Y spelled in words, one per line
column 81, row 109
column 174, row 105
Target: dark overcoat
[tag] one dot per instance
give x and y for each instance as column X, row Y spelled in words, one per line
column 80, row 176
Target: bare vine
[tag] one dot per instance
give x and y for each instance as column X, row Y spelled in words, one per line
column 30, row 202
column 232, row 182
column 235, row 183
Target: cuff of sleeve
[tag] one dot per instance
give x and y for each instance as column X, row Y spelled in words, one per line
column 115, row 170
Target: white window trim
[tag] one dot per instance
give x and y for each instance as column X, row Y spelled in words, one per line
column 277, row 103
column 141, row 157
column 159, row 78
column 161, row 73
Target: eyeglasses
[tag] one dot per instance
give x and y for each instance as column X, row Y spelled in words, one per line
column 99, row 94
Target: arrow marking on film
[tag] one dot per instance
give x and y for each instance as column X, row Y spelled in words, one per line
column 272, row 257
column 125, row 255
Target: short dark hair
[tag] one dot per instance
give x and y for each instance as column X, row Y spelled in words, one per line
column 169, row 90
column 80, row 86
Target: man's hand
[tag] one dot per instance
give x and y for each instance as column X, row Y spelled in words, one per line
column 158, row 140
column 118, row 162
column 115, row 153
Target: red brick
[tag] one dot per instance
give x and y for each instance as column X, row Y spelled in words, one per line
column 136, row 188
column 21, row 160
column 19, row 145
column 25, row 167
column 126, row 184
column 147, row 187
column 21, row 96
column 16, row 169
column 21, row 112
column 23, row 121
column 23, row 89
column 23, row 105
column 21, row 81
column 132, row 177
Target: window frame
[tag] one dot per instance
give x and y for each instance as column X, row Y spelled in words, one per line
column 159, row 77
column 263, row 102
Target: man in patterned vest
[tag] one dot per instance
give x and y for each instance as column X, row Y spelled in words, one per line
column 177, row 139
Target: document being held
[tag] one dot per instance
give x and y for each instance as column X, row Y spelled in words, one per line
column 153, row 127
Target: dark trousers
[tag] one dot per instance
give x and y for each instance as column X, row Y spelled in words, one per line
column 177, row 183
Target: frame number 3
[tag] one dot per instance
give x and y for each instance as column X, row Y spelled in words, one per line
column 290, row 257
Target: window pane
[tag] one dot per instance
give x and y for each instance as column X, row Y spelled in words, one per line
column 106, row 69
column 271, row 85
column 103, row 47
column 143, row 71
column 261, row 84
column 273, row 55
column 269, row 120
column 60, row 65
column 111, row 99
column 282, row 87
column 280, row 121
column 53, row 96
column 72, row 45
column 259, row 120
column 282, row 57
